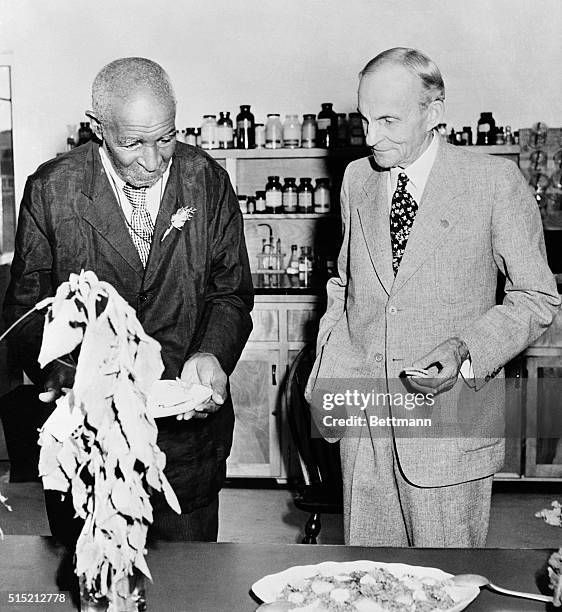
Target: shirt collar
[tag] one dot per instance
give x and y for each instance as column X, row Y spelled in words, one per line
column 418, row 171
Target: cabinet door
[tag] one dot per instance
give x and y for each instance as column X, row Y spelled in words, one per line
column 255, row 386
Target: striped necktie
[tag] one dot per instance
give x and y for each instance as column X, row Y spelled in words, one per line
column 141, row 226
column 402, row 213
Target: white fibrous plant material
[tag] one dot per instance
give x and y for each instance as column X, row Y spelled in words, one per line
column 552, row 516
column 111, row 462
column 4, row 502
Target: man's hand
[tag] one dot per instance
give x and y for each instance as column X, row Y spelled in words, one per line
column 58, row 380
column 204, row 369
column 444, row 363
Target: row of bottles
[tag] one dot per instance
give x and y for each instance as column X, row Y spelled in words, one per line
column 328, row 129
column 289, row 198
column 487, row 133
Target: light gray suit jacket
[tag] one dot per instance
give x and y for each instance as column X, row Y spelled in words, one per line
column 476, row 216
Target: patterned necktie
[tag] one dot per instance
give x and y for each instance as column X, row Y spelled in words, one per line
column 141, row 227
column 402, row 213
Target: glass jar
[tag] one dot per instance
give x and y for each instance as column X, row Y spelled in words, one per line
column 273, row 132
column 209, row 132
column 260, row 202
column 327, row 124
column 260, row 135
column 190, row 136
column 290, row 197
column 245, row 126
column 225, row 131
column 322, row 196
column 341, row 131
column 273, row 195
column 308, row 132
column 356, row 135
column 291, row 132
column 243, row 204
column 486, row 129
column 305, row 194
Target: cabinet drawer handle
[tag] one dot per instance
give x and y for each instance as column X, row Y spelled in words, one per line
column 274, row 374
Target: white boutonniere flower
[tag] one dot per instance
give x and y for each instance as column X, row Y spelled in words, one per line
column 178, row 219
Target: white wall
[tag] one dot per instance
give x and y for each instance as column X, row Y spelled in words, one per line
column 280, row 56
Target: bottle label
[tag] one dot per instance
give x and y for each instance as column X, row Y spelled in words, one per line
column 322, row 201
column 273, row 143
column 273, row 199
column 324, row 124
column 484, row 127
column 290, row 201
column 260, row 205
column 244, row 124
column 306, row 202
column 225, row 134
column 293, row 143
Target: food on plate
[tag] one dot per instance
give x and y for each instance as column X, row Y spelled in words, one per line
column 376, row 590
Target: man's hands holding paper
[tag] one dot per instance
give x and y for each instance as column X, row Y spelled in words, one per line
column 442, row 364
column 204, row 369
column 58, row 380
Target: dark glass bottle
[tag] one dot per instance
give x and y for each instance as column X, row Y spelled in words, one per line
column 327, row 125
column 245, row 126
column 305, row 194
column 85, row 133
column 273, row 195
column 342, row 130
column 486, row 129
column 467, row 135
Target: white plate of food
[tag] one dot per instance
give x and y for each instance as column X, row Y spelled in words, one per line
column 362, row 586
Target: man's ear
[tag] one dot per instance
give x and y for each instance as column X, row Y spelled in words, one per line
column 435, row 113
column 95, row 124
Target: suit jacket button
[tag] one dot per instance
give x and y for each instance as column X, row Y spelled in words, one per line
column 379, row 357
column 392, row 310
column 143, row 298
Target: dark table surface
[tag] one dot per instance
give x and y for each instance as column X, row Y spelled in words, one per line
column 200, row 577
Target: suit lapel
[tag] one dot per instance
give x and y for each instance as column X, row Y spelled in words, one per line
column 104, row 213
column 374, row 220
column 437, row 213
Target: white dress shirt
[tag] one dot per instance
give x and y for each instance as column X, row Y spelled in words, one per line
column 417, row 173
column 153, row 194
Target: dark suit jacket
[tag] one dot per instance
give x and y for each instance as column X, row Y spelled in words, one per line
column 195, row 294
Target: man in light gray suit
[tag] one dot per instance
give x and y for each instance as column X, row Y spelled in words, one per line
column 427, row 226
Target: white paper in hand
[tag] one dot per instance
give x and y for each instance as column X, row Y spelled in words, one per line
column 171, row 397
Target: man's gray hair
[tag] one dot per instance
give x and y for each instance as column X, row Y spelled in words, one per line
column 418, row 64
column 123, row 78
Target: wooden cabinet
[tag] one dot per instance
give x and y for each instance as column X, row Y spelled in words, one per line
column 261, row 445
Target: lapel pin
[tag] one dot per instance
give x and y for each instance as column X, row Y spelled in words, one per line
column 178, row 219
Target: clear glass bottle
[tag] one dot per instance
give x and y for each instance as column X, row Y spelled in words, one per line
column 273, row 195
column 322, row 196
column 260, row 135
column 243, row 203
column 500, row 136
column 486, row 129
column 327, row 124
column 251, row 205
column 225, row 131
column 293, row 264
column 290, row 197
column 308, row 131
column 508, row 135
column 356, row 136
column 209, row 132
column 292, row 132
column 342, row 130
column 273, row 132
column 305, row 195
column 260, row 202
column 190, row 136
column 245, row 128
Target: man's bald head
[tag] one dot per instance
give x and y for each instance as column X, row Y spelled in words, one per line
column 126, row 79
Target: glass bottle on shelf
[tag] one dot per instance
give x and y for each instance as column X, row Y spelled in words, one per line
column 467, row 135
column 356, row 135
column 209, row 132
column 538, row 135
column 342, row 129
column 260, row 135
column 245, row 126
column 290, row 198
column 322, row 196
column 190, row 136
column 305, row 195
column 85, row 133
column 486, row 129
column 260, row 202
column 225, row 131
column 273, row 195
column 326, row 126
column 293, row 264
column 251, row 203
column 305, row 265
column 273, row 132
column 308, row 132
column 508, row 135
column 292, row 132
column 500, row 136
column 243, row 203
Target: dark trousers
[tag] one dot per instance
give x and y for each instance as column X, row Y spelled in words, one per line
column 200, row 525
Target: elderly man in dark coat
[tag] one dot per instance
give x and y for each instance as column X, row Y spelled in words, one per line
column 108, row 208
